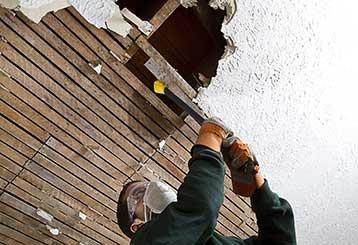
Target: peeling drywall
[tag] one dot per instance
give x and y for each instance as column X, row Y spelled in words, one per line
column 290, row 91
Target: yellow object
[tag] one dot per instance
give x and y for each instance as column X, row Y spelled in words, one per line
column 159, row 87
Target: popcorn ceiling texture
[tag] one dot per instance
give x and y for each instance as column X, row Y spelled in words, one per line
column 290, row 91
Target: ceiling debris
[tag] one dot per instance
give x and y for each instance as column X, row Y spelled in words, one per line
column 96, row 66
column 53, row 231
column 161, row 144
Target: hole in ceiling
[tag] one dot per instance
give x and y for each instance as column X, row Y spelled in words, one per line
column 190, row 40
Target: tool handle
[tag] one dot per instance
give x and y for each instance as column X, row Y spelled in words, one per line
column 184, row 106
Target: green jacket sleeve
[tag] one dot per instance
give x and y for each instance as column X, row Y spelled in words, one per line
column 192, row 219
column 274, row 218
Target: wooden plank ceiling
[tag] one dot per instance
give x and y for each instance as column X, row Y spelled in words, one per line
column 70, row 138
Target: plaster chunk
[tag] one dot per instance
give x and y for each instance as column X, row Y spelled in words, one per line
column 97, row 67
column 161, row 144
column 39, row 11
column 117, row 23
column 188, row 3
column 228, row 5
column 10, row 4
column 96, row 12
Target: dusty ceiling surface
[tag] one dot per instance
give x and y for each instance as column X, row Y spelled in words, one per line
column 290, row 91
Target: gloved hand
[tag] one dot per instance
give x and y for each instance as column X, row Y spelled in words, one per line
column 212, row 133
column 242, row 164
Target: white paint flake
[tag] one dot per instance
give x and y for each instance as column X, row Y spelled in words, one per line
column 161, row 144
column 82, row 216
column 45, row 215
column 290, row 91
column 96, row 67
column 53, row 231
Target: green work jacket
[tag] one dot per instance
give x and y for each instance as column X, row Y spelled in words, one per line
column 192, row 219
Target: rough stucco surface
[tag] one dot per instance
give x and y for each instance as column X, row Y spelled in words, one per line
column 290, row 91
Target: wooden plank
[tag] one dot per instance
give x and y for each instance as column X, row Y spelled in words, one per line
column 14, row 116
column 101, row 35
column 72, row 171
column 66, row 126
column 22, row 135
column 18, row 236
column 12, row 219
column 128, row 161
column 51, row 197
column 12, row 154
column 43, row 168
column 31, row 211
column 6, row 174
column 134, row 99
column 138, row 86
column 16, row 144
column 78, row 159
column 9, row 165
column 105, row 161
column 3, row 183
column 71, row 221
column 105, row 85
column 163, row 14
column 8, row 240
column 69, row 114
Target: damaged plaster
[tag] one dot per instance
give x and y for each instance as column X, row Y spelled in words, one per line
column 289, row 90
column 100, row 13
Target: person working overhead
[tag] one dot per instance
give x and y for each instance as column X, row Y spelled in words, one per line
column 152, row 213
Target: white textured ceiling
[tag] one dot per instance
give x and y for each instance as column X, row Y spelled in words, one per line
column 290, row 91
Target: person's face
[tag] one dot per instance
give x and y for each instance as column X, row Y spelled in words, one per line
column 136, row 190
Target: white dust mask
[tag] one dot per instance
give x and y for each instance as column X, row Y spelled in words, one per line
column 158, row 196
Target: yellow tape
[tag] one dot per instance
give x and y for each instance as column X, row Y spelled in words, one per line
column 159, row 87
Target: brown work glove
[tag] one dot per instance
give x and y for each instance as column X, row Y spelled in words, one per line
column 242, row 164
column 212, row 133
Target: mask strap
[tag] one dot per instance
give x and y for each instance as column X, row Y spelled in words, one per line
column 145, row 213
